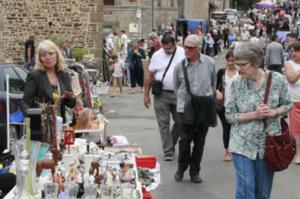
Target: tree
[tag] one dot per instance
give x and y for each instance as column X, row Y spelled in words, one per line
column 243, row 4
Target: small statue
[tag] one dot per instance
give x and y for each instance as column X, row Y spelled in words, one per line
column 73, row 171
column 127, row 175
column 94, row 171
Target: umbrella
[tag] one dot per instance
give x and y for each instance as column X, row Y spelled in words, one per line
column 264, row 5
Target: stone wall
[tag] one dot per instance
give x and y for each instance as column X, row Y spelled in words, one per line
column 195, row 9
column 78, row 21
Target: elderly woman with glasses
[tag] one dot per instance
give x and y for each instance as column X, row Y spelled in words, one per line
column 246, row 112
column 48, row 83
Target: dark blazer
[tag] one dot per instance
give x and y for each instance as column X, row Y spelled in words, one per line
column 220, row 76
column 38, row 89
column 67, row 52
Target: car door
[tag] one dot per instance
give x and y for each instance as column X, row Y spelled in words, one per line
column 17, row 78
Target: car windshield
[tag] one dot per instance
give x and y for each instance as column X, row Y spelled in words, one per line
column 21, row 72
column 16, row 84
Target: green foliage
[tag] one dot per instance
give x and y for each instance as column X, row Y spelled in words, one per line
column 58, row 39
column 78, row 53
column 243, row 4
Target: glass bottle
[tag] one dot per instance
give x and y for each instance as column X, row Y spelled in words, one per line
column 24, row 168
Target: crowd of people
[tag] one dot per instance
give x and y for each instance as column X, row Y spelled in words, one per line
column 256, row 47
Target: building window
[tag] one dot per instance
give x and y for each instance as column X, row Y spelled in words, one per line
column 158, row 3
column 172, row 3
column 132, row 0
column 109, row 2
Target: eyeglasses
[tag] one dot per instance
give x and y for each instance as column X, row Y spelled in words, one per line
column 241, row 65
column 189, row 47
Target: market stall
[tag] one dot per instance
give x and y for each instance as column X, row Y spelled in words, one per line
column 77, row 167
column 67, row 163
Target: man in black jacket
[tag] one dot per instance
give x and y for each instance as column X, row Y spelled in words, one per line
column 29, row 51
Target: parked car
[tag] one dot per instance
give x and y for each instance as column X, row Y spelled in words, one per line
column 17, row 79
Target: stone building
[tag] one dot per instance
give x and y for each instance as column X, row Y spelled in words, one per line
column 196, row 9
column 138, row 16
column 222, row 4
column 78, row 21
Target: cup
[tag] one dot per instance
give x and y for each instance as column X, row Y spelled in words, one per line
column 71, row 190
column 51, row 190
column 90, row 191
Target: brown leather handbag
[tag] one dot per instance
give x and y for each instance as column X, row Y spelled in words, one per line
column 279, row 149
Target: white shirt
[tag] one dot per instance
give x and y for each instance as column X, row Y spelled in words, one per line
column 124, row 38
column 255, row 41
column 245, row 36
column 118, row 69
column 294, row 89
column 228, row 81
column 159, row 63
column 110, row 44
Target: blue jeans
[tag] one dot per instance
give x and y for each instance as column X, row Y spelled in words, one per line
column 253, row 179
column 29, row 66
column 128, row 73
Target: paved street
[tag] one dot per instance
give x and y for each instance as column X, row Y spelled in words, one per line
column 128, row 117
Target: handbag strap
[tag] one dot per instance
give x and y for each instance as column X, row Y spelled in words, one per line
column 169, row 65
column 186, row 79
column 223, row 82
column 267, row 93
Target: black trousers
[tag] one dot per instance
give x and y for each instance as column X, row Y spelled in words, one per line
column 226, row 42
column 226, row 128
column 275, row 67
column 105, row 71
column 136, row 76
column 187, row 135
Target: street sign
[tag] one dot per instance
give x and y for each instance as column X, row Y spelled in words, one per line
column 139, row 13
column 133, row 28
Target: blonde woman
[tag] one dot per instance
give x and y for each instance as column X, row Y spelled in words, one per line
column 48, row 82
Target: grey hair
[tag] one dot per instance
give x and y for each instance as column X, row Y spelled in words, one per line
column 194, row 39
column 251, row 52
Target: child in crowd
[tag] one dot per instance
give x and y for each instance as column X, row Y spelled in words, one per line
column 118, row 72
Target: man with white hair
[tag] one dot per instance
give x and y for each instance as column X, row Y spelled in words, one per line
column 194, row 83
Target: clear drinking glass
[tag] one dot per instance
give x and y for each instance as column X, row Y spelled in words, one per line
column 34, row 151
column 51, row 190
column 22, row 157
column 90, row 191
column 70, row 190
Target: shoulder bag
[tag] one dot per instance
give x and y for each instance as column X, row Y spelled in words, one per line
column 279, row 149
column 198, row 110
column 220, row 102
column 157, row 85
